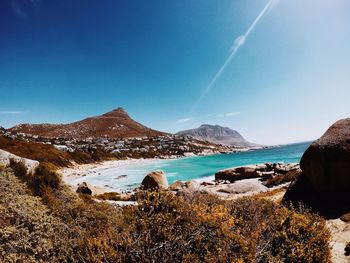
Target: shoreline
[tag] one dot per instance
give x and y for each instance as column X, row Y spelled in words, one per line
column 74, row 175
column 77, row 171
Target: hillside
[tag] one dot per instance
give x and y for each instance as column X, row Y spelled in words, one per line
column 114, row 124
column 218, row 135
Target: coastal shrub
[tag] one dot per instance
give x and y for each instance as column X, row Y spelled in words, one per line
column 203, row 228
column 18, row 167
column 46, row 153
column 58, row 225
column 35, row 151
column 165, row 228
column 44, row 177
column 28, row 233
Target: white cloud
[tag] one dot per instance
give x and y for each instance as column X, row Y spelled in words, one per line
column 184, row 120
column 11, row 112
column 228, row 114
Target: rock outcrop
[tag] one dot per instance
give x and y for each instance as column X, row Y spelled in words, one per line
column 325, row 180
column 6, row 156
column 155, row 181
column 83, row 188
column 185, row 188
column 264, row 171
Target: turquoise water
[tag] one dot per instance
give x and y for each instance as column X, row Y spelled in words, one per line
column 186, row 169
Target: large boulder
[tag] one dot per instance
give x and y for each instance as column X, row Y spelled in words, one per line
column 325, row 180
column 6, row 156
column 155, row 181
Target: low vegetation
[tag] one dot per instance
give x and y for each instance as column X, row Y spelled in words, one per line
column 46, row 153
column 53, row 224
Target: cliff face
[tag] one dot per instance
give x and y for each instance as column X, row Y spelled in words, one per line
column 219, row 135
column 114, row 124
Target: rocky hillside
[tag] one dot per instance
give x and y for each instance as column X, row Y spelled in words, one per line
column 114, row 124
column 218, row 135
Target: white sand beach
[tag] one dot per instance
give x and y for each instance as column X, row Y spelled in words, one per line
column 80, row 170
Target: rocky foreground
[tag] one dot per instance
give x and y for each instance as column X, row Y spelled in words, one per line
column 228, row 184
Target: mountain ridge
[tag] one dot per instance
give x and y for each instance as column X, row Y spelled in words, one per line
column 114, row 124
column 219, row 135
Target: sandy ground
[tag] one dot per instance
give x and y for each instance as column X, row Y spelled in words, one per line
column 340, row 237
column 78, row 171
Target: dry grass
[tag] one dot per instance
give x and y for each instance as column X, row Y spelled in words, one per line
column 45, row 153
column 57, row 225
column 202, row 228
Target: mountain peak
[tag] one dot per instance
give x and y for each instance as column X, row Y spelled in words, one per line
column 118, row 112
column 120, row 109
column 114, row 124
column 219, row 135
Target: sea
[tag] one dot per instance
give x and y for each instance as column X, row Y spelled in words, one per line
column 200, row 168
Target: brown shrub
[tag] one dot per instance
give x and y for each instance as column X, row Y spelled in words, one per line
column 35, row 151
column 202, row 228
column 43, row 177
column 162, row 228
column 291, row 176
column 18, row 167
column 28, row 233
column 46, row 153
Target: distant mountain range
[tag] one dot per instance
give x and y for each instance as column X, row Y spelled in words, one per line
column 114, row 124
column 118, row 124
column 218, row 135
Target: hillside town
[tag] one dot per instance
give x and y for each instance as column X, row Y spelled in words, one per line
column 164, row 146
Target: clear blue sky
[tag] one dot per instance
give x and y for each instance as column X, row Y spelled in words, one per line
column 289, row 79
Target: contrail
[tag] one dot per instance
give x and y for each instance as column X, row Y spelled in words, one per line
column 234, row 49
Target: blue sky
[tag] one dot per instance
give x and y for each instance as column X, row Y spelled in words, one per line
column 288, row 80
